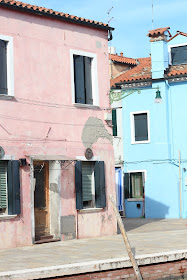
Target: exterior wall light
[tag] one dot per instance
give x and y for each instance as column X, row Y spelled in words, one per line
column 158, row 98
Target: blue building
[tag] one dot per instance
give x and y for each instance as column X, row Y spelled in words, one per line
column 154, row 129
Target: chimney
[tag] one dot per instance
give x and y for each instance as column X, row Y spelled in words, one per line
column 121, row 54
column 159, row 51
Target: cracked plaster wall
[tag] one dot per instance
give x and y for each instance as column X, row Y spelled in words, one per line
column 93, row 130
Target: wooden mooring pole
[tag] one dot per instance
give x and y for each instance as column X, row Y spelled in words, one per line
column 126, row 241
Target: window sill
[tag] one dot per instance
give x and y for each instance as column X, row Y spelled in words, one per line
column 6, row 96
column 135, row 199
column 140, row 142
column 7, row 217
column 87, row 210
column 88, row 106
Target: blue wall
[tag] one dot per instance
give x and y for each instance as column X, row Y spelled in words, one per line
column 168, row 135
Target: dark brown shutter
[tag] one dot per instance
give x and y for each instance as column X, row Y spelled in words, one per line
column 79, row 79
column 126, row 184
column 14, row 207
column 88, row 79
column 114, row 122
column 3, row 67
column 100, row 192
column 78, row 185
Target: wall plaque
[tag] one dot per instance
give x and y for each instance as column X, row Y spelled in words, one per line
column 88, row 153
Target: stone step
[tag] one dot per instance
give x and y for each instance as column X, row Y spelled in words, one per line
column 46, row 237
column 47, row 240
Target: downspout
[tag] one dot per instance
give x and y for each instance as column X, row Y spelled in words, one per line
column 171, row 152
column 32, row 185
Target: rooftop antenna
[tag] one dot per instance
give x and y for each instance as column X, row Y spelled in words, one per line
column 109, row 20
column 152, row 15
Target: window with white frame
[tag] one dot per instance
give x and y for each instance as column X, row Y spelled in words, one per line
column 90, row 184
column 7, row 67
column 84, row 78
column 140, row 127
column 134, row 184
column 179, row 55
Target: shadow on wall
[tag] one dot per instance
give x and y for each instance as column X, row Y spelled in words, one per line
column 154, row 211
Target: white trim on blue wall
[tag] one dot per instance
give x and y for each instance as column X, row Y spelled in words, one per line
column 133, row 128
column 173, row 46
column 138, row 171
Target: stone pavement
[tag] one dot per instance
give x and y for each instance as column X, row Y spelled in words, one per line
column 150, row 239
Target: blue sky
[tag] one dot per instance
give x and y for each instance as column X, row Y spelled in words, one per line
column 131, row 19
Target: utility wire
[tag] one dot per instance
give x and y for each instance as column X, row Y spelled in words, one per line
column 57, row 105
column 49, row 122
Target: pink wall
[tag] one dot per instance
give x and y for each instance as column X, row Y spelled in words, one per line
column 43, row 99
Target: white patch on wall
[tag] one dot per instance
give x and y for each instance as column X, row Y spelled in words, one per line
column 54, row 197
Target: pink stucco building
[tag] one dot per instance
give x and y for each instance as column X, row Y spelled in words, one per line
column 56, row 154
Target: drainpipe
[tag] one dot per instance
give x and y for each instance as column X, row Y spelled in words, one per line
column 180, row 184
column 171, row 151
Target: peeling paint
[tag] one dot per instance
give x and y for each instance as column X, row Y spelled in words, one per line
column 110, row 218
column 103, row 219
column 93, row 130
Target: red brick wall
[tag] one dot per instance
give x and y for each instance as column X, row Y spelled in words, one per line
column 170, row 270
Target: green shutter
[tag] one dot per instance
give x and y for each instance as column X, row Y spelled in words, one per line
column 114, row 122
column 87, row 181
column 126, row 184
column 78, row 185
column 3, row 184
column 79, row 79
column 3, row 68
column 100, row 192
column 14, row 206
column 88, row 79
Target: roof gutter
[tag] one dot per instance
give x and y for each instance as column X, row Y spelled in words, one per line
column 54, row 16
column 170, row 78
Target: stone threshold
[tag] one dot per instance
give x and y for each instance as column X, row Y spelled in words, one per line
column 93, row 266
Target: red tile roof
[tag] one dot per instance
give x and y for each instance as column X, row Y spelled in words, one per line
column 177, row 70
column 123, row 59
column 140, row 72
column 158, row 31
column 49, row 12
column 143, row 72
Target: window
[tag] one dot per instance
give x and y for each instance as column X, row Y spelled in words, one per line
column 140, row 127
column 114, row 121
column 7, row 68
column 134, row 185
column 84, row 78
column 90, row 184
column 9, row 187
column 179, row 55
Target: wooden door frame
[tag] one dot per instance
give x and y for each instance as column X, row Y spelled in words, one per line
column 46, row 185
